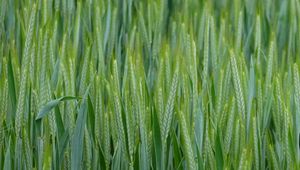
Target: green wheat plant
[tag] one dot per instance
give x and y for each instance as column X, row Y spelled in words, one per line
column 149, row 84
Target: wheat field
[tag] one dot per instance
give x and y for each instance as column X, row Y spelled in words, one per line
column 149, row 84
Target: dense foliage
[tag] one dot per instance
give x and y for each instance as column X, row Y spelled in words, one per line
column 149, row 84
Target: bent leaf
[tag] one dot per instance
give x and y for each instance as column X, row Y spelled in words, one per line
column 52, row 104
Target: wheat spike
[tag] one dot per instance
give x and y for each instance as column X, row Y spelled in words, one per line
column 206, row 55
column 229, row 127
column 239, row 32
column 242, row 163
column 255, row 143
column 188, row 151
column 168, row 115
column 106, row 137
column 273, row 157
column 24, row 72
column 269, row 68
column 237, row 85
